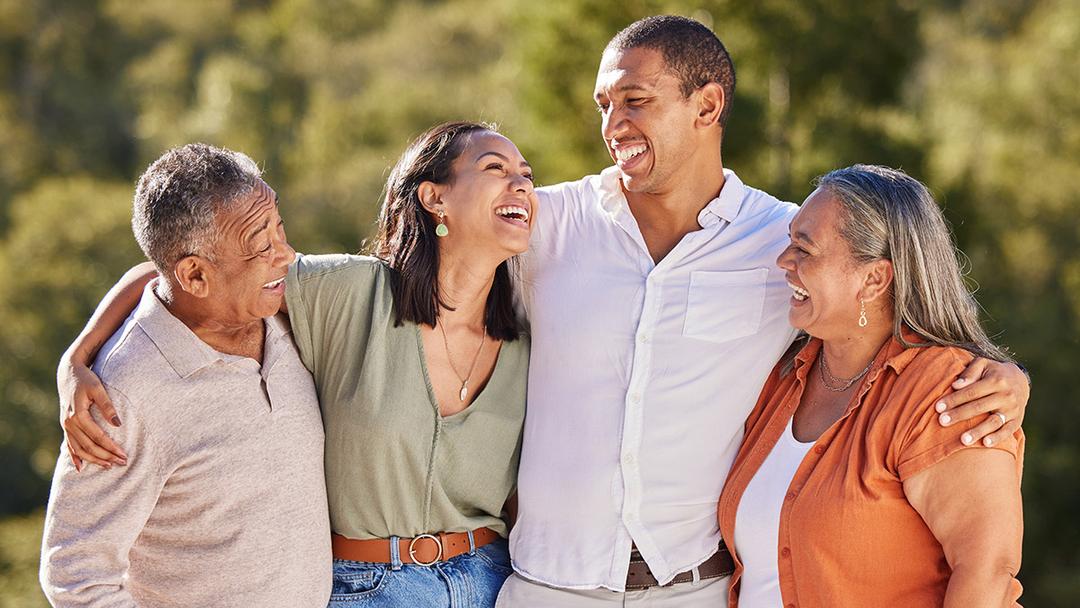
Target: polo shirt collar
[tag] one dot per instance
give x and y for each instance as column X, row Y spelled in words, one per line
column 725, row 206
column 185, row 351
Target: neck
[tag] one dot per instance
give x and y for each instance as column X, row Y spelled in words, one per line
column 674, row 207
column 464, row 284
column 193, row 312
column 851, row 354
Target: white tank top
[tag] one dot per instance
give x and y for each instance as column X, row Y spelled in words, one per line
column 757, row 522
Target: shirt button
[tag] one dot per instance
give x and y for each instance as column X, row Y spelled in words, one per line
column 791, row 606
column 785, row 552
column 635, row 398
column 790, row 496
column 820, row 449
column 643, row 338
column 628, row 459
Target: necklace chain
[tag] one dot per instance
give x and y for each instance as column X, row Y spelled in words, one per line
column 838, row 385
column 464, row 392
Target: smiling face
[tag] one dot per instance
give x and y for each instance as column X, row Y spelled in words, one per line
column 489, row 202
column 246, row 280
column 648, row 124
column 826, row 281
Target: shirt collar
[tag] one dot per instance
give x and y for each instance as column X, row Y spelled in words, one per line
column 724, row 207
column 185, row 351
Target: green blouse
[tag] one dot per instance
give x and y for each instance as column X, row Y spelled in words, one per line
column 394, row 466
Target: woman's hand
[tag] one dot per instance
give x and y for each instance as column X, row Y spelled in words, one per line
column 988, row 388
column 80, row 389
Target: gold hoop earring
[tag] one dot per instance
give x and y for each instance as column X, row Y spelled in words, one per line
column 441, row 230
column 862, row 313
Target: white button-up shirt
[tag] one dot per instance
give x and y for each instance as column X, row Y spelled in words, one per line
column 641, row 378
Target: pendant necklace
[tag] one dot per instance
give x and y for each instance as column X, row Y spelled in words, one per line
column 464, row 392
column 839, row 384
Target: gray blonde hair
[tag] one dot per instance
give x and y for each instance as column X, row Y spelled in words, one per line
column 887, row 214
column 179, row 196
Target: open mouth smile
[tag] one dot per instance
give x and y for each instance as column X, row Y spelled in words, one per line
column 514, row 214
column 800, row 294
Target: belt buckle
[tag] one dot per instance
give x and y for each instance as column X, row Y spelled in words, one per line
column 412, row 550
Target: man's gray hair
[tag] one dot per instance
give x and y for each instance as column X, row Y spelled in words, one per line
column 887, row 214
column 178, row 198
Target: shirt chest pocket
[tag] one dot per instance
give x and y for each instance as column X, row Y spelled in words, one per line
column 724, row 306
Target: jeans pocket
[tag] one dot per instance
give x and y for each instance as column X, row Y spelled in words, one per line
column 356, row 581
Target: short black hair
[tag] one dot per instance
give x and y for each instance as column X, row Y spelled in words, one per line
column 691, row 50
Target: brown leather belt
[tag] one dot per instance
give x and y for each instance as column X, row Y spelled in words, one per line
column 640, row 577
column 424, row 550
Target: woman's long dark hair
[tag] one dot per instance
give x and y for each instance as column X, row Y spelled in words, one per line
column 405, row 239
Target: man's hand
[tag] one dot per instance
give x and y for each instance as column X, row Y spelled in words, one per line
column 80, row 389
column 988, row 388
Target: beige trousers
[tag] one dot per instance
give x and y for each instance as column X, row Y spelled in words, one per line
column 519, row 592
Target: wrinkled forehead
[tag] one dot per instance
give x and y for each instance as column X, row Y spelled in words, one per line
column 248, row 213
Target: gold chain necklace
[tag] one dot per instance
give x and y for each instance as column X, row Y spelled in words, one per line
column 840, row 385
column 464, row 392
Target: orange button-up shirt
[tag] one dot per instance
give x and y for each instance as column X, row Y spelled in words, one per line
column 848, row 536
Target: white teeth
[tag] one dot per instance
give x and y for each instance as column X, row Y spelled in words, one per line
column 625, row 154
column 800, row 293
column 273, row 284
column 514, row 212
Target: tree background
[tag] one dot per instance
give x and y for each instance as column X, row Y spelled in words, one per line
column 977, row 98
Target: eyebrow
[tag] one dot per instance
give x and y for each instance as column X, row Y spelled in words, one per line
column 802, row 236
column 524, row 163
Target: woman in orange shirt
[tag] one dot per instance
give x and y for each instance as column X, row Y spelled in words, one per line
column 847, row 491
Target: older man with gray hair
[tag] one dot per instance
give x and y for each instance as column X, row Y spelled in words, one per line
column 222, row 501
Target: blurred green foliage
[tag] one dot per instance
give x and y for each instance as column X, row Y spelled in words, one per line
column 976, row 97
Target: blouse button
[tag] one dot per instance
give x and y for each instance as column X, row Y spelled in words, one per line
column 790, row 496
column 785, row 552
column 820, row 449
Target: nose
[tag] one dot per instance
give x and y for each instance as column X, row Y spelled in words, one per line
column 284, row 254
column 612, row 124
column 520, row 183
column 786, row 259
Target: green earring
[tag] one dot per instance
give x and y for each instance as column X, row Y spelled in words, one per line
column 441, row 229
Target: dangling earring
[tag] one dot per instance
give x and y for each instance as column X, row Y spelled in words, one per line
column 441, row 230
column 862, row 313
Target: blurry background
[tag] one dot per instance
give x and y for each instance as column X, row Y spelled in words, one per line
column 976, row 98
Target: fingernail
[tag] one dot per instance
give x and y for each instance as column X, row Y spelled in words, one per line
column 120, row 461
column 960, row 381
column 988, row 441
column 945, row 419
column 966, row 439
column 115, row 421
column 940, row 406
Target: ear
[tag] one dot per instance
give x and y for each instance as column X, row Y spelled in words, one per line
column 878, row 281
column 191, row 275
column 711, row 104
column 430, row 195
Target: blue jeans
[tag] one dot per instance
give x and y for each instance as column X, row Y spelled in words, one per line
column 471, row 580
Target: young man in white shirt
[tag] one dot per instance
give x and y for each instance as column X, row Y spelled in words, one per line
column 657, row 312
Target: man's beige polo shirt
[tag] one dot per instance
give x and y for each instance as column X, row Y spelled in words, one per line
column 223, row 500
